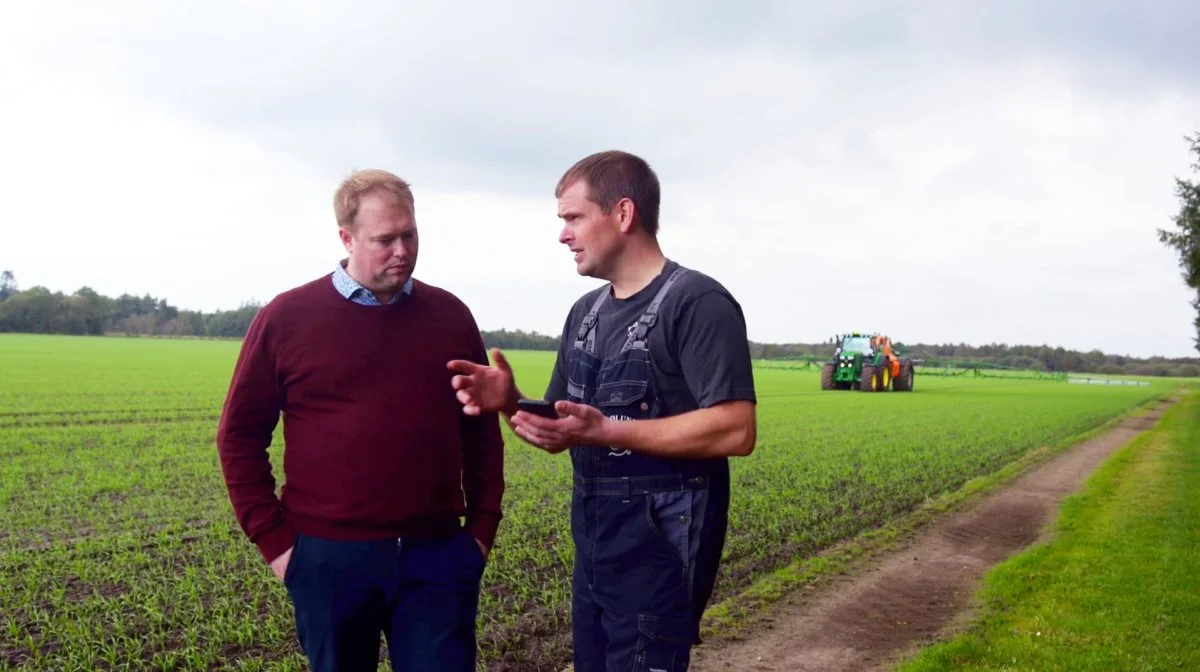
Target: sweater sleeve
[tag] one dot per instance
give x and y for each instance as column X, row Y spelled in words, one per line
column 483, row 459
column 248, row 421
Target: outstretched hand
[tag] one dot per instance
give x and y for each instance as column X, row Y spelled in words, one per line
column 576, row 424
column 484, row 389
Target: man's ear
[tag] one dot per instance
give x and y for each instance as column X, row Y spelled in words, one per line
column 626, row 215
column 345, row 236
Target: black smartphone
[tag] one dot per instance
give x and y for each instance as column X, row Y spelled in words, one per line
column 538, row 407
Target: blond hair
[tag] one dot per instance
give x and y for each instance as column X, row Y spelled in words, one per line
column 360, row 182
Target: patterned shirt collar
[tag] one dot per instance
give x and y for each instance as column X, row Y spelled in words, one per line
column 351, row 289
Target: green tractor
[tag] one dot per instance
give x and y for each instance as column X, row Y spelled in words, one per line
column 867, row 363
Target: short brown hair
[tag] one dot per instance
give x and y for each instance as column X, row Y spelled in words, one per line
column 613, row 175
column 358, row 184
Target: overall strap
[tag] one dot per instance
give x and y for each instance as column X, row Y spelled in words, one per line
column 636, row 337
column 586, row 338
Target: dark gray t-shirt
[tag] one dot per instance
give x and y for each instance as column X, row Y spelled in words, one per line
column 698, row 345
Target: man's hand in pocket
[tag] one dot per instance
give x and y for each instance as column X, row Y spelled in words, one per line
column 279, row 565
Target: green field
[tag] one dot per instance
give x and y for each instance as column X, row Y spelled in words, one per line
column 119, row 549
column 1116, row 587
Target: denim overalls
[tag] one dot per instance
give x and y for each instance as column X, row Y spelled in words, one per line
column 648, row 531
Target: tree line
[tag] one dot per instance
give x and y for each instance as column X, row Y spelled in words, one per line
column 85, row 312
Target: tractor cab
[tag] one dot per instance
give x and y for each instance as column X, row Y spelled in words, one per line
column 855, row 344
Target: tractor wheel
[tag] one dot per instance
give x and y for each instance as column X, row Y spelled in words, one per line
column 904, row 383
column 885, row 376
column 868, row 381
column 827, row 377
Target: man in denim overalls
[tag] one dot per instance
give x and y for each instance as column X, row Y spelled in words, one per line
column 654, row 391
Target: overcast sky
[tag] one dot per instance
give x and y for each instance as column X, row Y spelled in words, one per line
column 940, row 171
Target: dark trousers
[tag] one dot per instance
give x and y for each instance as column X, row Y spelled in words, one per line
column 645, row 566
column 420, row 594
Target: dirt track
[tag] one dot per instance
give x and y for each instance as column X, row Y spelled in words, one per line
column 910, row 595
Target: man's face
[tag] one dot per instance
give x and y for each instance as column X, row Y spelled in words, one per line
column 383, row 244
column 594, row 237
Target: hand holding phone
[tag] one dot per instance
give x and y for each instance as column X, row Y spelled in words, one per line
column 539, row 407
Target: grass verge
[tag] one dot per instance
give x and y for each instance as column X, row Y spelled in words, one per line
column 744, row 612
column 1117, row 586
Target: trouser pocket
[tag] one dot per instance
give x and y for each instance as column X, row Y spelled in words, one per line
column 671, row 516
column 471, row 555
column 639, row 556
column 663, row 644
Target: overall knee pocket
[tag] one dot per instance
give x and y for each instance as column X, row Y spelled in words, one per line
column 664, row 643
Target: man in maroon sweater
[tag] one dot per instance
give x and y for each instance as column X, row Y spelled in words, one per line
column 380, row 462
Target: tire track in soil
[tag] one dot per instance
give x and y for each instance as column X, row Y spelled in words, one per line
column 910, row 596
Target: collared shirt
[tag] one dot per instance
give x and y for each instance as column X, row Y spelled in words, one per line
column 356, row 292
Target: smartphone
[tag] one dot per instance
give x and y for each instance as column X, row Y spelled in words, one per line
column 538, row 407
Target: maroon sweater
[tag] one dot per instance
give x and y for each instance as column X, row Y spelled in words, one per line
column 377, row 445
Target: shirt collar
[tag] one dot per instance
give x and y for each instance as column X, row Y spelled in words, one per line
column 353, row 290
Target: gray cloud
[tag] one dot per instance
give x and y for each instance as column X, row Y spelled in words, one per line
column 506, row 96
column 1150, row 43
column 962, row 152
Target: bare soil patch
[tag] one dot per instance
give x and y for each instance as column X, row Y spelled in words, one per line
column 914, row 595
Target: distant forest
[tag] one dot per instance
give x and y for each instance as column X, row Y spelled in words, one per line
column 38, row 310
